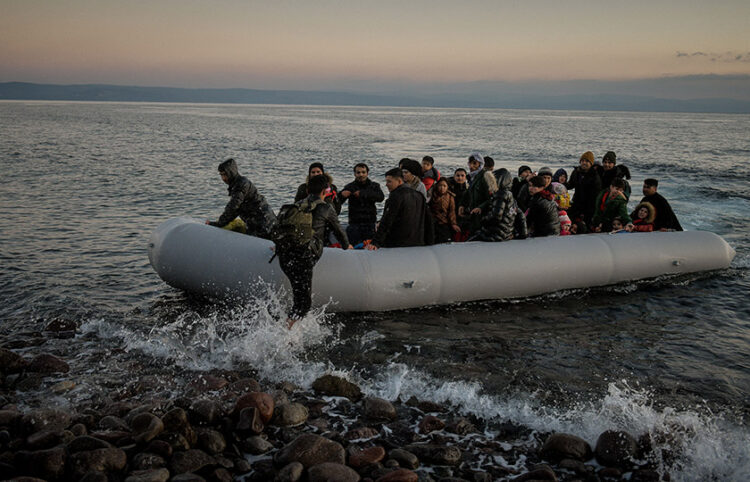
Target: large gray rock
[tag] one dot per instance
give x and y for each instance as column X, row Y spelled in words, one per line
column 616, row 449
column 337, row 386
column 290, row 415
column 560, row 446
column 379, row 409
column 99, row 460
column 46, row 464
column 190, row 461
column 330, row 472
column 309, row 450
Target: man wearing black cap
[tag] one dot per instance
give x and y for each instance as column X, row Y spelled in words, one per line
column 666, row 220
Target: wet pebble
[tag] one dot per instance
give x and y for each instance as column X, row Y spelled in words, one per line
column 11, row 362
column 290, row 415
column 329, row 471
column 560, row 446
column 206, row 411
column 338, row 387
column 99, row 460
column 146, row 427
column 256, row 445
column 292, row 472
column 359, row 457
column 309, row 450
column 261, row 401
column 430, row 423
column 46, row 363
column 150, row 475
column 379, row 409
column 190, row 461
column 46, row 464
column 211, row 441
column 616, row 449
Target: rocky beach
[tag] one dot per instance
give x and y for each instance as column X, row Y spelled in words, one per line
column 227, row 425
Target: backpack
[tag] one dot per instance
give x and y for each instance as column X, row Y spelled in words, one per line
column 293, row 227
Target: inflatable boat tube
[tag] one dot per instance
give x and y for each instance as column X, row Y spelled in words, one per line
column 198, row 258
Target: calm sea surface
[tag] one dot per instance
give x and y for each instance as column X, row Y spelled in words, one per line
column 82, row 185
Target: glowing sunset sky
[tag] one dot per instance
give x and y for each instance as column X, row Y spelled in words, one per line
column 338, row 44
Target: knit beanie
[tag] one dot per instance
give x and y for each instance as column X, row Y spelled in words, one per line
column 522, row 169
column 589, row 156
column 545, row 171
column 564, row 219
column 610, row 156
column 412, row 166
column 314, row 165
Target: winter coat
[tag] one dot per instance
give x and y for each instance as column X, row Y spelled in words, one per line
column 362, row 209
column 587, row 186
column 332, row 196
column 518, row 183
column 609, row 207
column 643, row 225
column 406, row 220
column 462, row 198
column 665, row 217
column 542, row 218
column 499, row 222
column 246, row 202
column 443, row 208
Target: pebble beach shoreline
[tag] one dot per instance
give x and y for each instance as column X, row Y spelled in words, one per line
column 226, row 425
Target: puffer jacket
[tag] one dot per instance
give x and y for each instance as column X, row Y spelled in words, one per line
column 543, row 218
column 246, row 202
column 362, row 209
column 498, row 223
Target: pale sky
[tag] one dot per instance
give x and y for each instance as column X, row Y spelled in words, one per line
column 330, row 44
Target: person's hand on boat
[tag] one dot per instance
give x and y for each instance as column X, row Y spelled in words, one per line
column 208, row 221
column 456, row 228
column 371, row 247
column 476, row 211
column 350, row 247
column 629, row 227
column 345, row 194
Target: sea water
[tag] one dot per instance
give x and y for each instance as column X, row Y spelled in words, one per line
column 82, row 186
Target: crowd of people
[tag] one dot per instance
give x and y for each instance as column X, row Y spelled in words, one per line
column 425, row 207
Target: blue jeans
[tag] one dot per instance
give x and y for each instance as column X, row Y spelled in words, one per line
column 357, row 233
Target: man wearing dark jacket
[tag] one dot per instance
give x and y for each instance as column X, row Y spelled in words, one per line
column 297, row 264
column 666, row 220
column 504, row 221
column 542, row 218
column 406, row 219
column 245, row 201
column 362, row 195
column 587, row 184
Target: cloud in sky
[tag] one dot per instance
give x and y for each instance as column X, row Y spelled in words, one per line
column 728, row 57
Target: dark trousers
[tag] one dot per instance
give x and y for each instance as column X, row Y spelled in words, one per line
column 298, row 267
column 357, row 233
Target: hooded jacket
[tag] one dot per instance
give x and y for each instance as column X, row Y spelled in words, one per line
column 406, row 220
column 665, row 217
column 543, row 218
column 643, row 225
column 246, row 202
column 498, row 223
column 362, row 209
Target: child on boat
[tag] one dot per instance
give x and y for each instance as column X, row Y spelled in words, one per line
column 443, row 209
column 643, row 218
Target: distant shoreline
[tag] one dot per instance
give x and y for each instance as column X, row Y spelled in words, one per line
column 25, row 91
